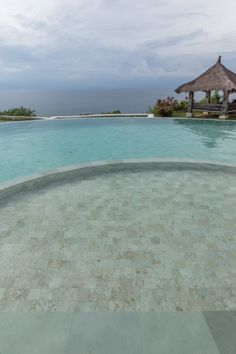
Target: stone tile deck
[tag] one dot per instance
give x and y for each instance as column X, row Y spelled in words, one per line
column 117, row 333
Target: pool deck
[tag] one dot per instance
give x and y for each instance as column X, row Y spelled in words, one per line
column 118, row 333
column 119, row 257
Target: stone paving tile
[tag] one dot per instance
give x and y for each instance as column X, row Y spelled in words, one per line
column 103, row 333
column 222, row 325
column 24, row 333
column 168, row 333
column 140, row 241
column 118, row 333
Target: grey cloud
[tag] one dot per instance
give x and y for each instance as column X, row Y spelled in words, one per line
column 14, row 53
column 110, row 42
column 191, row 14
column 30, row 23
column 174, row 40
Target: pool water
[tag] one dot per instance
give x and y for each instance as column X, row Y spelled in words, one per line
column 125, row 241
column 30, row 147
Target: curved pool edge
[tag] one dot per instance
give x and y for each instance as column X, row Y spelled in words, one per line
column 92, row 169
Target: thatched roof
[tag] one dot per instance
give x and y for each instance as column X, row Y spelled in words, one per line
column 218, row 77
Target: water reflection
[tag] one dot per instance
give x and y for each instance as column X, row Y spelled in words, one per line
column 211, row 132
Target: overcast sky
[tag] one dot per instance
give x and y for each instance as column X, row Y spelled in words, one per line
column 112, row 43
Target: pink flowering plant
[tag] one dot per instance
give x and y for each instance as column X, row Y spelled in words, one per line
column 166, row 107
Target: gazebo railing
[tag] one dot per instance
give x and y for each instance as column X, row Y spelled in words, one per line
column 232, row 107
column 213, row 107
column 208, row 107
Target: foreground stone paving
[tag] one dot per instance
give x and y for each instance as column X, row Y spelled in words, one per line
column 144, row 241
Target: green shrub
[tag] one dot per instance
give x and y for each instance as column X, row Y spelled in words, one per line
column 182, row 105
column 117, row 111
column 215, row 98
column 153, row 110
column 21, row 111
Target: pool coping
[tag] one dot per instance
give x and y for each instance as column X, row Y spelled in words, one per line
column 92, row 169
column 124, row 117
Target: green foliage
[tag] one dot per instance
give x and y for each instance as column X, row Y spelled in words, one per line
column 113, row 112
column 166, row 107
column 182, row 105
column 153, row 110
column 21, row 111
column 215, row 98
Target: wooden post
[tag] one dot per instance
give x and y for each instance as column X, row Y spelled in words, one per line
column 208, row 97
column 208, row 101
column 190, row 105
column 225, row 106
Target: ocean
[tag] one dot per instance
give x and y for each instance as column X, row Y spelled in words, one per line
column 74, row 102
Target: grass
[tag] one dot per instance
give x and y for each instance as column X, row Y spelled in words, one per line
column 182, row 114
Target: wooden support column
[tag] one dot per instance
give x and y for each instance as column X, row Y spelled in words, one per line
column 208, row 96
column 208, row 101
column 225, row 106
column 190, row 105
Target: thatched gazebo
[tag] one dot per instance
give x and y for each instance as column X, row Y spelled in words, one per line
column 219, row 78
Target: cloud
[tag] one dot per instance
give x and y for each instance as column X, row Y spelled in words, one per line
column 174, row 40
column 78, row 42
column 16, row 70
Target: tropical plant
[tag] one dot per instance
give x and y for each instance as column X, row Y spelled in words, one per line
column 215, row 98
column 166, row 107
column 117, row 111
column 182, row 105
column 153, row 110
column 21, row 111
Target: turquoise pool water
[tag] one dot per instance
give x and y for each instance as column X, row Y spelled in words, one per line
column 30, row 147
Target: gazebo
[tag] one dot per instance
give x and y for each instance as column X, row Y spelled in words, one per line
column 219, row 78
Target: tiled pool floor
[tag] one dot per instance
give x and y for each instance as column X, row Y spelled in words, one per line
column 144, row 241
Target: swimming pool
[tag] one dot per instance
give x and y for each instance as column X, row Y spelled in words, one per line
column 126, row 236
column 153, row 231
column 30, row 147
